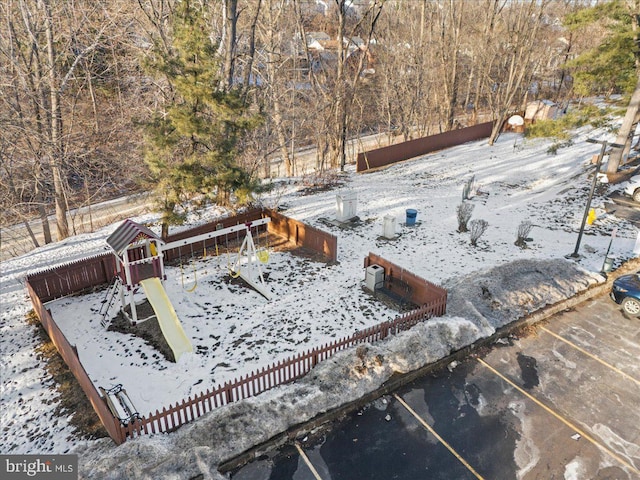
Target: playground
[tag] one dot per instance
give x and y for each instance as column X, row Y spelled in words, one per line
column 205, row 314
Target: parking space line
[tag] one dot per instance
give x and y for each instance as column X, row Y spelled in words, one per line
column 435, row 434
column 582, row 350
column 307, row 461
column 583, row 434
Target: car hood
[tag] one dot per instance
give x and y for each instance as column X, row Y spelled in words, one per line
column 632, row 184
column 628, row 282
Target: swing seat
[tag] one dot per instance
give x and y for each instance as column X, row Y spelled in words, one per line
column 195, row 279
column 192, row 289
column 263, row 256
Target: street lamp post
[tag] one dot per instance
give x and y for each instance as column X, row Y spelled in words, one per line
column 604, row 144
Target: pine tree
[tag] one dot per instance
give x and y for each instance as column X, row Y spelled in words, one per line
column 192, row 145
column 609, row 67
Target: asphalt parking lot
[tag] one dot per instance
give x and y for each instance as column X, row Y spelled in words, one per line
column 562, row 401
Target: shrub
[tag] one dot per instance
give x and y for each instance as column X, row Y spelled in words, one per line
column 561, row 127
column 477, row 229
column 464, row 211
column 553, row 149
column 523, row 232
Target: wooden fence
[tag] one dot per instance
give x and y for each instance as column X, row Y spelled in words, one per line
column 304, row 236
column 422, row 291
column 381, row 157
column 74, row 277
column 70, row 356
column 290, row 230
column 279, row 373
column 211, row 244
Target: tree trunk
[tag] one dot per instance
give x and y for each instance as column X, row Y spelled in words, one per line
column 274, row 30
column 55, row 147
column 338, row 154
column 282, row 139
column 230, row 23
column 246, row 80
column 44, row 217
column 630, row 121
column 625, row 134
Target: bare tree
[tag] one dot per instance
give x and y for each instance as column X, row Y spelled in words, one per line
column 280, row 51
column 46, row 44
column 632, row 116
column 449, row 26
column 55, row 144
column 404, row 69
column 336, row 90
column 230, row 22
column 511, row 37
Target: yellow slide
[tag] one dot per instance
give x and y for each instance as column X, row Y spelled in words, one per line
column 167, row 318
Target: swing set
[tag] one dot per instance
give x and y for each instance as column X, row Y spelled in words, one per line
column 246, row 264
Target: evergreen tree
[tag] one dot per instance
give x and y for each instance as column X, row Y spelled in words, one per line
column 610, row 67
column 192, row 145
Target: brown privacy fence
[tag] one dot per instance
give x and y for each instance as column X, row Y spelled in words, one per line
column 278, row 373
column 304, row 236
column 381, row 157
column 73, row 277
column 70, row 356
column 421, row 291
column 89, row 273
column 292, row 231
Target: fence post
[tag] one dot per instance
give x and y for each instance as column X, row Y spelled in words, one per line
column 227, row 391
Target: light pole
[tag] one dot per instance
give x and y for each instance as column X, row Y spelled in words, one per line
column 604, row 144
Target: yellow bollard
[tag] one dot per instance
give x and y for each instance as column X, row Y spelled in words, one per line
column 592, row 216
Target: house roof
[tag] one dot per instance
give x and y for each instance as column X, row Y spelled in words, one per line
column 127, row 233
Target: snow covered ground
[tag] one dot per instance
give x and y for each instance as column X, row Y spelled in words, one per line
column 235, row 330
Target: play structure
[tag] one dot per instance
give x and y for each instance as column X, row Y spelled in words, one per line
column 140, row 263
column 244, row 264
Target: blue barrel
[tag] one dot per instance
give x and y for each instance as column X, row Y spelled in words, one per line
column 411, row 216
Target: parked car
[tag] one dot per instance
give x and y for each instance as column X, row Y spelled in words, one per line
column 632, row 188
column 626, row 292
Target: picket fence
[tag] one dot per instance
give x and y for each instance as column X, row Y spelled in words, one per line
column 279, row 373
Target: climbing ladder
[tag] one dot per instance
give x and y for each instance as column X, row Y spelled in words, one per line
column 109, row 300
